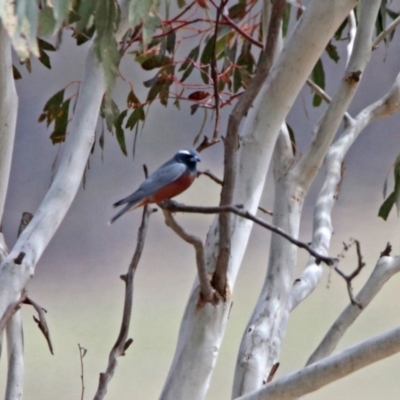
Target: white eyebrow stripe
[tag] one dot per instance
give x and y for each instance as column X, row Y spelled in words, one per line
column 185, row 152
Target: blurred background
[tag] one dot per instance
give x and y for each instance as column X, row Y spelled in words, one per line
column 77, row 279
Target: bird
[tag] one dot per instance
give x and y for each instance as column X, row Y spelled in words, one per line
column 169, row 180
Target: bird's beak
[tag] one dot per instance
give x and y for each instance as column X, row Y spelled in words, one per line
column 196, row 158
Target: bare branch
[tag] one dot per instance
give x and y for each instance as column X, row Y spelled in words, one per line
column 317, row 375
column 211, row 176
column 385, row 106
column 82, row 353
column 122, row 344
column 321, row 92
column 207, row 292
column 312, row 159
column 11, row 310
column 41, row 322
column 384, row 269
column 173, row 206
column 354, row 274
column 385, row 33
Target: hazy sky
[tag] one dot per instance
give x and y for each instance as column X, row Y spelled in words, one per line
column 77, row 279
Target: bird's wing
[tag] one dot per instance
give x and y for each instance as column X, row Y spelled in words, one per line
column 167, row 173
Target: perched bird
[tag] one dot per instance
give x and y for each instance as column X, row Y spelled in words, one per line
column 171, row 179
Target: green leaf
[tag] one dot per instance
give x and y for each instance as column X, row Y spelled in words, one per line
column 61, row 124
column 181, row 3
column 16, row 74
column 246, row 58
column 46, row 45
column 171, row 39
column 332, row 52
column 60, row 10
column 237, row 79
column 105, row 46
column 47, row 22
column 43, row 57
column 136, row 116
column 119, row 132
column 187, row 73
column 144, row 11
column 286, row 19
column 156, row 61
column 386, row 207
column 86, row 11
column 53, row 106
column 206, row 55
column 191, row 58
column 132, row 100
column 292, row 138
column 237, row 11
column 231, row 51
column 318, row 76
column 339, row 32
column 204, row 73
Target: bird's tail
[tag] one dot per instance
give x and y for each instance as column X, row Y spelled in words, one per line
column 120, row 213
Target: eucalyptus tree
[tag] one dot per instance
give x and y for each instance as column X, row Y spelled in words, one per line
column 255, row 58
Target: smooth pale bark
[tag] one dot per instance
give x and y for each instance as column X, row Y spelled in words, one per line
column 202, row 328
column 384, row 269
column 8, row 114
column 322, row 229
column 322, row 373
column 15, row 350
column 58, row 199
column 263, row 335
column 34, row 239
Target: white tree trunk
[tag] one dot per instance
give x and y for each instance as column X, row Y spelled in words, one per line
column 202, row 328
column 8, row 114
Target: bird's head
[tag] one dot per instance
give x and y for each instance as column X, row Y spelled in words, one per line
column 188, row 157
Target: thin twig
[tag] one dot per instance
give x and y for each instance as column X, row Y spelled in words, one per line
column 122, row 343
column 237, row 28
column 214, row 71
column 174, row 206
column 272, row 372
column 385, row 33
column 11, row 310
column 211, row 176
column 325, row 96
column 355, row 273
column 82, row 353
column 207, row 292
column 41, row 321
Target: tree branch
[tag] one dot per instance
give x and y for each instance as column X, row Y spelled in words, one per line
column 322, row 230
column 173, row 206
column 354, row 274
column 385, row 33
column 384, row 269
column 309, row 164
column 8, row 114
column 315, row 376
column 207, row 292
column 122, row 344
column 41, row 322
column 231, row 143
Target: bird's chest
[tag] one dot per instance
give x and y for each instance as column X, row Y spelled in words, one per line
column 174, row 188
